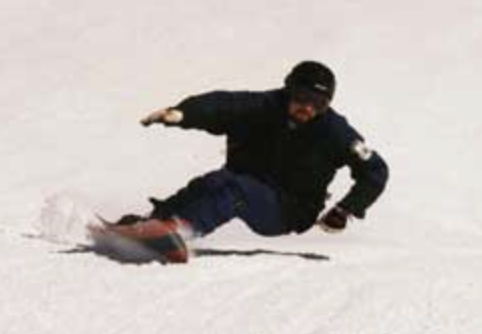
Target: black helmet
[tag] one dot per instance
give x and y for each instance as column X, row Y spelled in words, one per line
column 313, row 76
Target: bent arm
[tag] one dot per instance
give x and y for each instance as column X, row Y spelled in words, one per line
column 370, row 178
column 369, row 171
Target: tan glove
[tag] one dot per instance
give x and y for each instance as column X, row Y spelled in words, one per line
column 165, row 116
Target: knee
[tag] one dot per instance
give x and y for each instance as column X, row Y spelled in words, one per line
column 273, row 229
column 218, row 179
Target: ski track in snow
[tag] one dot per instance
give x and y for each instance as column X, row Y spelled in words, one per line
column 77, row 76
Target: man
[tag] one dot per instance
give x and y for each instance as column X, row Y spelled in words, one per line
column 284, row 147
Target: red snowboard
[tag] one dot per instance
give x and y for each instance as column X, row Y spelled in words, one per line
column 161, row 237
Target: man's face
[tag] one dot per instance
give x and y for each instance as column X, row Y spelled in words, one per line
column 305, row 105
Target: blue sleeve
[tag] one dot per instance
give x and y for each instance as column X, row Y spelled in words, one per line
column 368, row 169
column 218, row 112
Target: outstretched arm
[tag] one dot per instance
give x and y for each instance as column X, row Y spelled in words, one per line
column 215, row 112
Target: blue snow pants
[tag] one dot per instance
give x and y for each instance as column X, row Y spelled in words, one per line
column 216, row 198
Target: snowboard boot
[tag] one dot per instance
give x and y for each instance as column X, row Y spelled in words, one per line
column 160, row 211
column 130, row 219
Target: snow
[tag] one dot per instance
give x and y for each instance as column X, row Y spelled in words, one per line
column 76, row 76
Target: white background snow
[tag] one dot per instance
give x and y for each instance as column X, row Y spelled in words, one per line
column 75, row 78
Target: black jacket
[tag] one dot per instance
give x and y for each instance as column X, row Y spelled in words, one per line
column 299, row 162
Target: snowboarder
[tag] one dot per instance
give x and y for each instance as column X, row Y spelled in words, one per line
column 284, row 147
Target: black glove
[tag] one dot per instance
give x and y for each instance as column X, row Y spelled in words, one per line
column 335, row 220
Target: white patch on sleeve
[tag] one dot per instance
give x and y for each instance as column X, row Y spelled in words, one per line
column 361, row 150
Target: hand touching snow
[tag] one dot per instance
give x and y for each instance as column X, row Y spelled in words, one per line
column 335, row 220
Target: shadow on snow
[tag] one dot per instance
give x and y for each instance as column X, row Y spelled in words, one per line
column 139, row 255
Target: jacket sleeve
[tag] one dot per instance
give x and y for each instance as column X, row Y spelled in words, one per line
column 218, row 112
column 368, row 169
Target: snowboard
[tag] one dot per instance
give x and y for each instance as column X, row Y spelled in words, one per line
column 153, row 239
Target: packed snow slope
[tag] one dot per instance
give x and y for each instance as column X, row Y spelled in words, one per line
column 76, row 76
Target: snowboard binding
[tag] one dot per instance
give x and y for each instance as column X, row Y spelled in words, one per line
column 160, row 211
